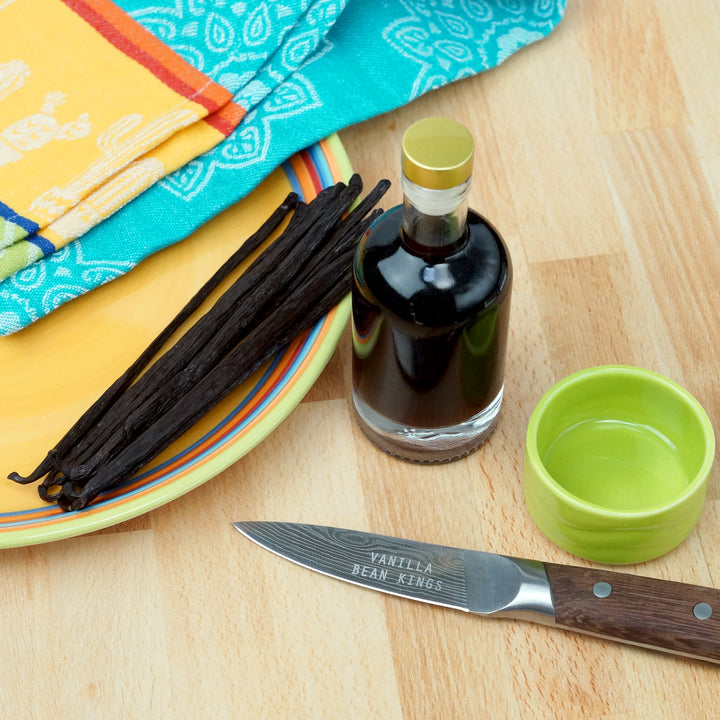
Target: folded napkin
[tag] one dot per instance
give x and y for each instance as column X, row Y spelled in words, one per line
column 84, row 91
column 374, row 58
column 136, row 150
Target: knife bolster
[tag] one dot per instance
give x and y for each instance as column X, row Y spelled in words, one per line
column 510, row 587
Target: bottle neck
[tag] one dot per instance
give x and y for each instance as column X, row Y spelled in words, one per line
column 434, row 219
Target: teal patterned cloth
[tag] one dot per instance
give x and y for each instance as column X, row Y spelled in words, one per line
column 307, row 68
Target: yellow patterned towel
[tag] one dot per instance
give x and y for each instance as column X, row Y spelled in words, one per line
column 93, row 109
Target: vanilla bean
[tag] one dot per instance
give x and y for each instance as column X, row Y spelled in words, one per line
column 360, row 212
column 216, row 332
column 255, row 305
column 263, row 342
column 96, row 411
column 226, row 337
column 291, row 285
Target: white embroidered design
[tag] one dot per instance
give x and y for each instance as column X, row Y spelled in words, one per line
column 10, row 233
column 12, row 76
column 442, row 38
column 222, row 38
column 54, row 283
column 515, row 39
column 37, row 130
column 250, row 142
column 276, row 94
column 135, row 178
column 121, row 144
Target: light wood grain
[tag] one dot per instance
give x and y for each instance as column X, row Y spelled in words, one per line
column 598, row 158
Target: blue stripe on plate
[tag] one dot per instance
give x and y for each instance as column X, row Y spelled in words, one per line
column 321, row 165
column 292, row 177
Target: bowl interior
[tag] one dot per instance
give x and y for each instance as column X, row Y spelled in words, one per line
column 622, row 439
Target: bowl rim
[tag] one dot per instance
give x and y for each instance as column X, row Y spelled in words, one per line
column 564, row 496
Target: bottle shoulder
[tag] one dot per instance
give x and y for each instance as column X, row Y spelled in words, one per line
column 432, row 289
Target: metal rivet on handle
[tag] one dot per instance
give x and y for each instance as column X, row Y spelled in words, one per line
column 602, row 589
column 702, row 611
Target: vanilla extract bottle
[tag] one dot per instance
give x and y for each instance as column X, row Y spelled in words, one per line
column 430, row 308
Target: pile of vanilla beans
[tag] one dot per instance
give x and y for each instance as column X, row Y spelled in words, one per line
column 294, row 282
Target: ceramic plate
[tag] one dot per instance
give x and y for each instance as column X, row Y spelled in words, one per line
column 53, row 370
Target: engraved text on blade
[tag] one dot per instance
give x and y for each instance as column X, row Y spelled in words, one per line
column 397, row 570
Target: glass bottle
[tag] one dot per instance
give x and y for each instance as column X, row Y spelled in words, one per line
column 430, row 308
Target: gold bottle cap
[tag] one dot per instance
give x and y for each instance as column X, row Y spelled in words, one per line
column 437, row 153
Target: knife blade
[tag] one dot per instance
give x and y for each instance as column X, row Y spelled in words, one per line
column 662, row 615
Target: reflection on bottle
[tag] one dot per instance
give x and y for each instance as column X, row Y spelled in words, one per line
column 365, row 339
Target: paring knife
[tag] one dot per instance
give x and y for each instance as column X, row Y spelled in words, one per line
column 659, row 614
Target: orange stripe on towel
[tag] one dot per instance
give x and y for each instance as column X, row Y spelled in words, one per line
column 227, row 118
column 118, row 28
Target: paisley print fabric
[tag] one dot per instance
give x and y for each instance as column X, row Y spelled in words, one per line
column 237, row 41
column 71, row 121
column 338, row 62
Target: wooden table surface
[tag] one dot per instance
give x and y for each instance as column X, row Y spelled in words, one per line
column 598, row 158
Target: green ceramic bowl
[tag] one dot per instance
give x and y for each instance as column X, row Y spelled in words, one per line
column 617, row 462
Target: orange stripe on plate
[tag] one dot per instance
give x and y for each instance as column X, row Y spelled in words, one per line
column 53, row 514
column 311, row 170
column 331, row 160
column 303, row 177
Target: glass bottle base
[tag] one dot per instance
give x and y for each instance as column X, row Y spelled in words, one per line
column 428, row 445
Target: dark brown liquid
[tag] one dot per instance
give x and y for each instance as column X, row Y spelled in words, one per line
column 430, row 329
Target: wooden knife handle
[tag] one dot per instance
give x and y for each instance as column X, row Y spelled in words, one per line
column 660, row 614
